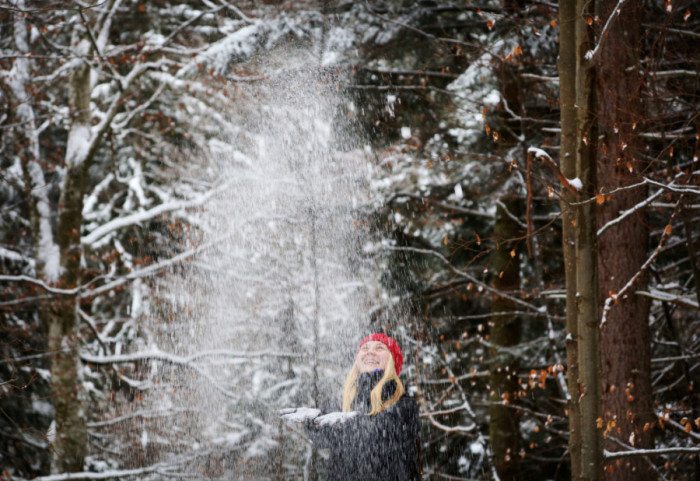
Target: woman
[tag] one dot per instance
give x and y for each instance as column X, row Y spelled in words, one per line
column 381, row 441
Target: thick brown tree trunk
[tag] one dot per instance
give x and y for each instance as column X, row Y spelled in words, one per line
column 504, row 432
column 622, row 248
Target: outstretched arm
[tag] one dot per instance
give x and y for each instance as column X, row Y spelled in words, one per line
column 396, row 424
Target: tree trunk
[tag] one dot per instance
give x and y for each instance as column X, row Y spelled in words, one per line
column 314, row 473
column 21, row 112
column 504, row 429
column 625, row 337
column 567, row 164
column 586, row 251
column 62, row 322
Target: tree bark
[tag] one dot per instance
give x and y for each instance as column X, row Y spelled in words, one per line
column 504, row 432
column 586, row 250
column 567, row 164
column 625, row 338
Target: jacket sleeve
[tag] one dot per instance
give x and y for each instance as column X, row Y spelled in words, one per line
column 321, row 435
column 395, row 428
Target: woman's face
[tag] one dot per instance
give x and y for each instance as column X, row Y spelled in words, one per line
column 372, row 355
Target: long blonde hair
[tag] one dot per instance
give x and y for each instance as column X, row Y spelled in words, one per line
column 378, row 405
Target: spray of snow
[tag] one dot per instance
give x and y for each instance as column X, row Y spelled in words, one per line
column 285, row 258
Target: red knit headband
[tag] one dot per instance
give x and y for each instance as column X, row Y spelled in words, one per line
column 393, row 346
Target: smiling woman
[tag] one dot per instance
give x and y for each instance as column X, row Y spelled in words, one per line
column 371, row 356
column 376, row 437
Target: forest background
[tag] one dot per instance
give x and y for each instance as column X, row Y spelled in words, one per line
column 205, row 204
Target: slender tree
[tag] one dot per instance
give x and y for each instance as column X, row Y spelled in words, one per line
column 567, row 163
column 504, row 429
column 70, row 446
column 586, row 287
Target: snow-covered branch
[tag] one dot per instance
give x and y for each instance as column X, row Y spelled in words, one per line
column 13, row 256
column 421, row 73
column 40, row 283
column 573, row 185
column 612, row 298
column 115, row 474
column 672, row 298
column 443, row 205
column 665, row 360
column 677, row 73
column 673, row 188
column 449, row 429
column 140, row 217
column 683, row 132
column 188, row 362
column 151, row 270
column 141, row 414
column 591, row 54
column 630, row 211
column 442, row 412
column 541, row 78
column 237, row 11
column 510, row 215
column 157, row 355
column 650, row 452
column 184, row 25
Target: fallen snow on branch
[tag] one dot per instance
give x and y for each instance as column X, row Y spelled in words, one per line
column 538, row 153
column 576, row 183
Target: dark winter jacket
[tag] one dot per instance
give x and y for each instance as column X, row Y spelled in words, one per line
column 381, row 447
